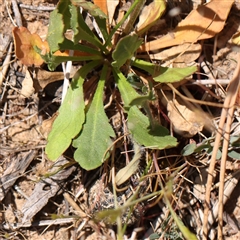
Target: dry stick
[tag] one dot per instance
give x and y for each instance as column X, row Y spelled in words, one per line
column 38, row 8
column 9, row 14
column 17, row 13
column 231, row 95
column 194, row 100
column 15, row 226
column 6, row 64
column 234, row 88
column 74, row 205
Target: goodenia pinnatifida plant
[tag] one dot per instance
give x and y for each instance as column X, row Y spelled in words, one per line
column 86, row 126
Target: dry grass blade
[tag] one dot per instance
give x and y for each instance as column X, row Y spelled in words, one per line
column 227, row 113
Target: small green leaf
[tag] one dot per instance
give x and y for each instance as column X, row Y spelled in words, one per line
column 71, row 115
column 81, row 29
column 203, row 146
column 154, row 236
column 128, row 93
column 139, row 126
column 55, row 30
column 125, row 49
column 58, row 24
column 234, row 155
column 164, row 74
column 91, row 8
column 94, row 140
column 234, row 140
column 189, row 149
column 171, row 75
column 109, row 216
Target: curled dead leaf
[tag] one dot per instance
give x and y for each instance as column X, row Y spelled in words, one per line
column 46, row 126
column 27, row 85
column 186, row 122
column 203, row 23
column 25, row 42
column 150, row 15
column 184, row 53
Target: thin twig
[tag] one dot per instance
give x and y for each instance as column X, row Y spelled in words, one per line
column 37, row 8
column 59, row 221
column 6, row 64
column 228, row 103
column 9, row 14
column 17, row 13
column 27, row 118
column 224, row 158
column 212, row 82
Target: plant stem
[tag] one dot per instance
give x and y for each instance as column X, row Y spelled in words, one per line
column 137, row 4
column 134, row 15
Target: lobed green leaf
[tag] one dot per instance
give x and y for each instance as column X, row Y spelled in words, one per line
column 164, row 74
column 58, row 24
column 128, row 93
column 95, row 139
column 91, row 8
column 139, row 126
column 80, row 29
column 125, row 49
column 71, row 115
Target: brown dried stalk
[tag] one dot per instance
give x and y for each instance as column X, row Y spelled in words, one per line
column 227, row 113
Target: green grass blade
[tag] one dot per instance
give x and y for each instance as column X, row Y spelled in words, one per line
column 184, row 230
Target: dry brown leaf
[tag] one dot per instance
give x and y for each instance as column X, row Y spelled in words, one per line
column 46, row 126
column 111, row 5
column 24, row 43
column 150, row 15
column 185, row 53
column 27, row 85
column 102, row 4
column 43, row 78
column 203, row 23
column 185, row 122
column 236, row 38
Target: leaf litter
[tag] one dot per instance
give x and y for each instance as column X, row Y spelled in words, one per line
column 22, row 119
